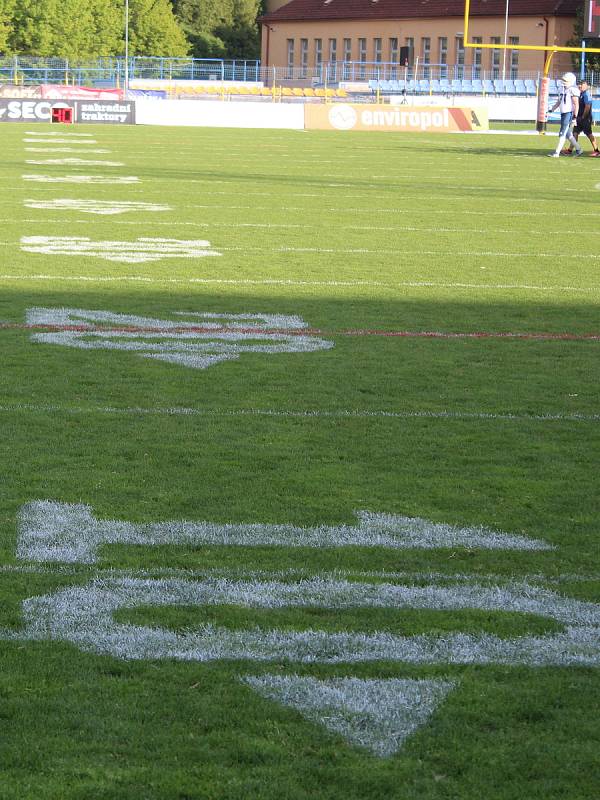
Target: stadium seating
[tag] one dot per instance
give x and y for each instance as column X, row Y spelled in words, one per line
column 476, row 86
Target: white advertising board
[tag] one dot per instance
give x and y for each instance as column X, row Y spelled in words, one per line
column 219, row 114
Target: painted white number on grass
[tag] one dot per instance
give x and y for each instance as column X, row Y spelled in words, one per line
column 143, row 249
column 71, row 534
column 207, row 340
column 84, row 616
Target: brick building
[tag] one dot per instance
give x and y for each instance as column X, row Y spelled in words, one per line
column 304, row 35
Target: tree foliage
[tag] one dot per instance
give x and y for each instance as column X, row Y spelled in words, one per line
column 77, row 29
column 592, row 60
column 220, row 28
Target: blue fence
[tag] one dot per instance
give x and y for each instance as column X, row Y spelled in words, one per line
column 111, row 71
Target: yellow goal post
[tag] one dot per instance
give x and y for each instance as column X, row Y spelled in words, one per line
column 591, row 26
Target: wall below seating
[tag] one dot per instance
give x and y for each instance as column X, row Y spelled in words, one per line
column 219, row 114
column 232, row 114
column 523, row 109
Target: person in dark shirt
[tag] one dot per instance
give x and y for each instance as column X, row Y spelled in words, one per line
column 584, row 120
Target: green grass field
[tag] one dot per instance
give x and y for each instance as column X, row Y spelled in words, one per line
column 406, row 326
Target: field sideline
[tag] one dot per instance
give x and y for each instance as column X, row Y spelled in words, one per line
column 299, row 493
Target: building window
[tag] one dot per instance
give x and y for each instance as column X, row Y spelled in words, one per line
column 460, row 57
column 377, row 52
column 394, row 56
column 332, row 65
column 443, row 56
column 347, row 72
column 426, row 55
column 514, row 58
column 362, row 57
column 495, row 58
column 318, row 52
column 290, row 58
column 333, row 50
column 477, row 57
column 304, row 57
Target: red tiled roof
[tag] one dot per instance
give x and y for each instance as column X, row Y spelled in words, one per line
column 417, row 9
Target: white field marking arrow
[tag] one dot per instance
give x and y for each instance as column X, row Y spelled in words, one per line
column 63, row 162
column 85, row 616
column 127, row 179
column 50, row 531
column 209, row 340
column 375, row 714
column 94, row 206
column 137, row 252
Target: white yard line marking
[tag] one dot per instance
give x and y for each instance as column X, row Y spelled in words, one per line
column 291, row 282
column 51, row 531
column 309, row 414
column 64, row 140
column 72, row 134
column 81, row 179
column 74, row 162
column 64, row 150
column 102, row 207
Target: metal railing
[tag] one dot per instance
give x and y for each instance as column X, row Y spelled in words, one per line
column 30, row 70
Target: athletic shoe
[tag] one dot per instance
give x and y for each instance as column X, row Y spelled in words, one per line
column 553, row 155
column 578, row 153
column 566, row 152
column 595, row 154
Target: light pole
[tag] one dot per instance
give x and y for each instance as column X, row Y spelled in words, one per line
column 505, row 42
column 126, row 76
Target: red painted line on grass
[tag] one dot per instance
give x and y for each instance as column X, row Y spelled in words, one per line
column 203, row 329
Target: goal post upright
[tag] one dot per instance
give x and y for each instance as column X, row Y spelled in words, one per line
column 549, row 49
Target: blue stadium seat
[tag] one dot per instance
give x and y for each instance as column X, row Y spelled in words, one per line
column 530, row 86
column 467, row 86
column 520, row 87
column 488, row 86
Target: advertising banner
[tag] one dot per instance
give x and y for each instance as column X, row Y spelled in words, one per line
column 119, row 112
column 25, row 109
column 414, row 119
column 52, row 91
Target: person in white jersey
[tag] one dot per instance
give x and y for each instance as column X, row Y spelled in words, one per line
column 568, row 100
